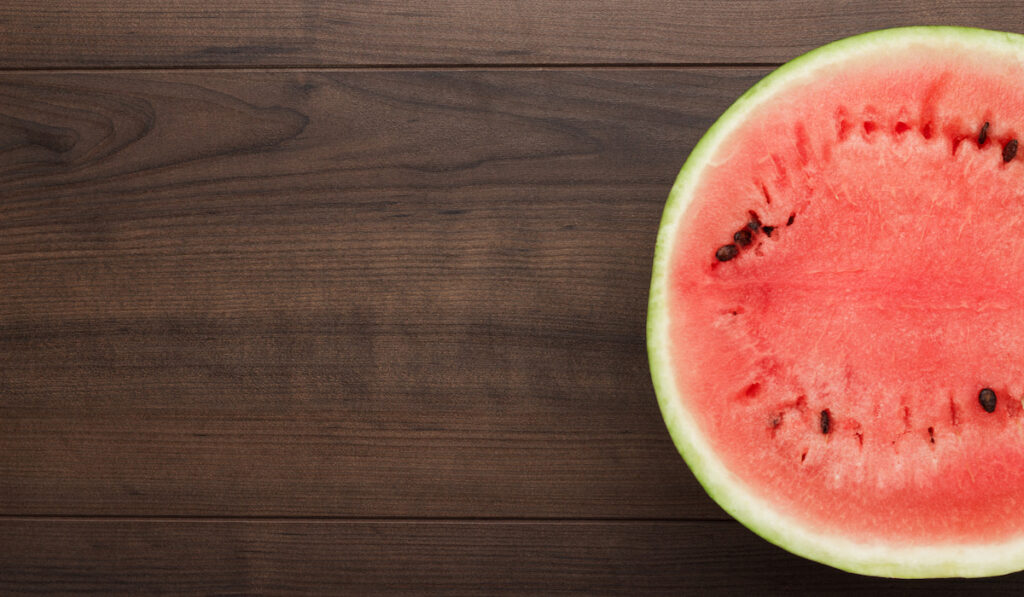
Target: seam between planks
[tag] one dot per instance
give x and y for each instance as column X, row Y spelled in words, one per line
column 401, row 67
column 354, row 519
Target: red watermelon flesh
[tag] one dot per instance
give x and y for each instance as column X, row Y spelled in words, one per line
column 841, row 277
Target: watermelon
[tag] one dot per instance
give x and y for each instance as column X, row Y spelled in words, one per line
column 836, row 316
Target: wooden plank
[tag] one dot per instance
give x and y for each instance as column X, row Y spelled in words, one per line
column 422, row 558
column 339, row 294
column 156, row 33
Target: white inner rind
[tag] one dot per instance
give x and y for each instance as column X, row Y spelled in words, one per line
column 799, row 536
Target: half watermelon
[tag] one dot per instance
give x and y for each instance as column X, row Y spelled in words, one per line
column 836, row 318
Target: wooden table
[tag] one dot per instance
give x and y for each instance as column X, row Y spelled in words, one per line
column 349, row 298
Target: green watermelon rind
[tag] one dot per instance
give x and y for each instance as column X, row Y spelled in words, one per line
column 901, row 561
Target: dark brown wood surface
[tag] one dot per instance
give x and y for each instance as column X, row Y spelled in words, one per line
column 425, row 557
column 319, row 33
column 358, row 307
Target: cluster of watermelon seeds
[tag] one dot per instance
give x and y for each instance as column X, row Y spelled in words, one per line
column 986, row 397
column 743, row 237
column 1009, row 150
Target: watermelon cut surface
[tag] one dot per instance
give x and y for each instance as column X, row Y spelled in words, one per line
column 836, row 317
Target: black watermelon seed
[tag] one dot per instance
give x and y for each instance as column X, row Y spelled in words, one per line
column 726, row 252
column 1010, row 150
column 826, row 422
column 987, row 398
column 791, row 219
column 983, row 135
column 742, row 237
column 768, row 230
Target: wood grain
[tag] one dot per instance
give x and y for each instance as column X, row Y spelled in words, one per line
column 109, row 557
column 310, row 33
column 339, row 294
